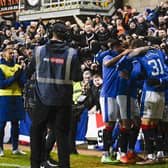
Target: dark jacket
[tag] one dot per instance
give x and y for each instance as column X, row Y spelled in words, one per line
column 56, row 67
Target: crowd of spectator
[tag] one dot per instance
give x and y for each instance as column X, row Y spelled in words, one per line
column 91, row 35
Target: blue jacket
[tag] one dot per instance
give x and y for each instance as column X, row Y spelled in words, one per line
column 12, row 107
column 56, row 66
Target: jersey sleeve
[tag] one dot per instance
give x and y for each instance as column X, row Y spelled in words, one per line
column 5, row 82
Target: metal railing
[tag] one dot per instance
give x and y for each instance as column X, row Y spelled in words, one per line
column 66, row 4
column 85, row 6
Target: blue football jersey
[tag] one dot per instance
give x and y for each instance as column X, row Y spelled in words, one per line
column 124, row 65
column 110, row 79
column 153, row 65
column 133, row 83
column 128, row 86
column 100, row 56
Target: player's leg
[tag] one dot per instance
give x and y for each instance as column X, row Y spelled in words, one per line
column 15, row 138
column 125, row 127
column 162, row 134
column 134, row 129
column 152, row 108
column 164, row 127
column 109, row 112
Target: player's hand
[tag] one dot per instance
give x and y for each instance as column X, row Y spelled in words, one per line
column 153, row 82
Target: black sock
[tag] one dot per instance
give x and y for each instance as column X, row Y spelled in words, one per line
column 123, row 140
column 159, row 138
column 164, row 127
column 150, row 137
column 133, row 134
column 107, row 139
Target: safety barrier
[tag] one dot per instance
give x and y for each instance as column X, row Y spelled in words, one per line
column 76, row 3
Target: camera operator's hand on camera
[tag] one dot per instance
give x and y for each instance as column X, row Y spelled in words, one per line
column 153, row 82
column 17, row 74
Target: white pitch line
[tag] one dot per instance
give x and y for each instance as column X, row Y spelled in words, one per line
column 12, row 165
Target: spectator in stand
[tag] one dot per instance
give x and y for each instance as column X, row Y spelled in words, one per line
column 96, row 21
column 89, row 34
column 120, row 26
column 142, row 26
column 102, row 35
column 106, row 20
column 94, row 92
column 132, row 27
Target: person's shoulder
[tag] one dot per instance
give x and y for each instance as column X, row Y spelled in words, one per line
column 40, row 47
column 71, row 48
column 105, row 52
column 107, row 57
column 74, row 51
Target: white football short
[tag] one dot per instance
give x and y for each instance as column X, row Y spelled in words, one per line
column 128, row 107
column 152, row 105
column 109, row 108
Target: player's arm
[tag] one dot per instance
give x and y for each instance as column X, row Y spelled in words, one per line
column 135, row 52
column 114, row 60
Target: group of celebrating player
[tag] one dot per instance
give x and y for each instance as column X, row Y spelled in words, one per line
column 125, row 74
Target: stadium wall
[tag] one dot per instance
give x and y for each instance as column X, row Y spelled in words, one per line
column 140, row 5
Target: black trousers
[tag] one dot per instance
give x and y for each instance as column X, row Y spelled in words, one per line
column 59, row 117
column 51, row 137
column 50, row 141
